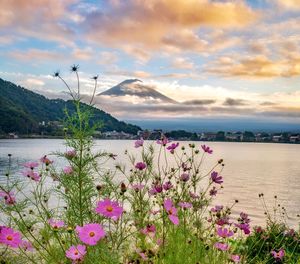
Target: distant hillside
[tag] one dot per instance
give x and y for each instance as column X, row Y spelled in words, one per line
column 135, row 87
column 22, row 110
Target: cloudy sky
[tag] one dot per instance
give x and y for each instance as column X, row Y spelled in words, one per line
column 237, row 59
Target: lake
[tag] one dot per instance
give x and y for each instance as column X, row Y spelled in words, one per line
column 250, row 169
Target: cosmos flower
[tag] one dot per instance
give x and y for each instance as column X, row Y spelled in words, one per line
column 26, row 245
column 207, row 149
column 167, row 185
column 46, row 160
column 70, row 154
column 172, row 147
column 216, row 178
column 31, row 165
column 56, row 224
column 217, row 208
column 213, row 191
column 109, row 209
column 9, row 197
column 184, row 177
column 10, row 237
column 244, row 227
column 193, row 195
column 185, row 205
column 90, row 234
column 224, row 232
column 156, row 188
column 139, row 143
column 149, row 230
column 221, row 246
column 33, row 175
column 140, row 165
column 138, row 187
column 76, row 253
column 172, row 211
column 163, row 141
column 235, row 258
column 278, row 255
column 68, row 170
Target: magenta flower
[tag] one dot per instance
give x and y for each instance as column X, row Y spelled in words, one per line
column 149, row 230
column 76, row 253
column 26, row 245
column 235, row 258
column 172, row 147
column 216, row 178
column 184, row 177
column 163, row 141
column 172, row 211
column 31, row 165
column 46, row 160
column 185, row 205
column 193, row 195
column 223, row 221
column 70, row 154
column 213, row 191
column 109, row 209
column 90, row 234
column 32, row 175
column 156, row 188
column 167, row 185
column 138, row 187
column 9, row 197
column 244, row 227
column 244, row 218
column 56, row 224
column 140, row 165
column 217, row 208
column 10, row 237
column 224, row 232
column 207, row 149
column 221, row 246
column 68, row 170
column 139, row 143
column 278, row 255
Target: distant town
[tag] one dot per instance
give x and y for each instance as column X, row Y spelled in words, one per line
column 55, row 130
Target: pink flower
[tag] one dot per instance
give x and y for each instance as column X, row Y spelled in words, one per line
column 26, row 245
column 278, row 255
column 163, row 141
column 31, row 165
column 68, row 170
column 223, row 221
column 140, row 165
column 10, row 237
column 138, row 187
column 156, row 188
column 207, row 149
column 216, row 178
column 244, row 227
column 167, row 185
column 139, row 143
column 142, row 254
column 213, row 191
column 235, row 258
column 224, row 232
column 46, row 160
column 194, row 195
column 172, row 147
column 172, row 211
column 9, row 197
column 70, row 154
column 76, row 252
column 217, row 208
column 32, row 175
column 221, row 246
column 184, row 177
column 90, row 234
column 149, row 230
column 109, row 209
column 185, row 205
column 56, row 224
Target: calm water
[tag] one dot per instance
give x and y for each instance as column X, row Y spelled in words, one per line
column 273, row 169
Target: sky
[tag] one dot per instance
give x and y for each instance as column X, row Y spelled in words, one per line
column 218, row 59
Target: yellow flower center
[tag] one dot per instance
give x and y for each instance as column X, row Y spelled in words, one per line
column 92, row 234
column 9, row 237
column 170, row 211
column 109, row 208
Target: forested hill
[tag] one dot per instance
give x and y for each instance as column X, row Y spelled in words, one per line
column 22, row 111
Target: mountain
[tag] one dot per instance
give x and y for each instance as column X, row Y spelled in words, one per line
column 22, row 110
column 135, row 87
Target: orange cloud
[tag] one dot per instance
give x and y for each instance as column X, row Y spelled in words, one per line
column 165, row 24
column 36, row 54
